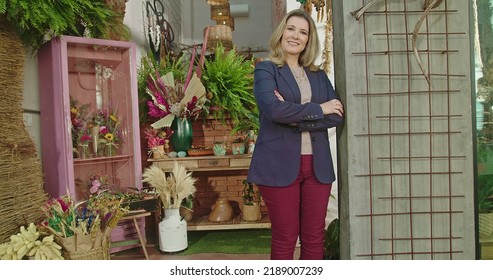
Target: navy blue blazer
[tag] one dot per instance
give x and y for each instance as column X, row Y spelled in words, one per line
column 277, row 154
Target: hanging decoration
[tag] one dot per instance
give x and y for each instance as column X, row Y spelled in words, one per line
column 427, row 6
column 324, row 11
column 326, row 52
column 217, row 2
column 319, row 5
column 220, row 12
column 159, row 32
column 229, row 22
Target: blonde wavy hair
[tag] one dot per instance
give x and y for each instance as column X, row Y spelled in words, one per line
column 312, row 49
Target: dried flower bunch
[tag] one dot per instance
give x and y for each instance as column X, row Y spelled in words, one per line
column 31, row 243
column 172, row 189
column 157, row 137
column 79, row 117
column 101, row 186
column 65, row 218
column 109, row 127
column 172, row 98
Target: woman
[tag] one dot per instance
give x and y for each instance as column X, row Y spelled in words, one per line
column 292, row 164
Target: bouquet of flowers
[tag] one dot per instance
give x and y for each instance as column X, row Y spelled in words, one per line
column 157, row 137
column 79, row 118
column 172, row 98
column 84, row 225
column 109, row 130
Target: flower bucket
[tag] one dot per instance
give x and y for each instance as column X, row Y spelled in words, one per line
column 172, row 232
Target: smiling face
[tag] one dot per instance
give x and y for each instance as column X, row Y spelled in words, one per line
column 295, row 37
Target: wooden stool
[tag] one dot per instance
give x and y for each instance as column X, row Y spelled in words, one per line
column 134, row 217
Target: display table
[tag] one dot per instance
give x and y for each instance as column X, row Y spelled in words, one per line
column 214, row 163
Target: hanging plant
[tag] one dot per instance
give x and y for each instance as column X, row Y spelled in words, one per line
column 37, row 21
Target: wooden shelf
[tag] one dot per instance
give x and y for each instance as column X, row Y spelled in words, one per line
column 214, row 163
column 206, row 163
column 237, row 222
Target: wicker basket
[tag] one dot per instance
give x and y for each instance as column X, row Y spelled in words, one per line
column 229, row 22
column 220, row 12
column 100, row 253
column 219, row 33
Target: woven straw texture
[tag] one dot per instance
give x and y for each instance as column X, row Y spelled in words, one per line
column 486, row 225
column 100, row 253
column 21, row 177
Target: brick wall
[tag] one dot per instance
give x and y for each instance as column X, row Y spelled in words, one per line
column 212, row 185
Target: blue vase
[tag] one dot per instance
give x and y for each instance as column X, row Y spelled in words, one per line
column 182, row 136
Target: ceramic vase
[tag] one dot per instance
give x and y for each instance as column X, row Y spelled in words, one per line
column 95, row 139
column 182, row 136
column 172, row 232
column 221, row 211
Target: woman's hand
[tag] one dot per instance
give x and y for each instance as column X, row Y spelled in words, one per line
column 278, row 95
column 333, row 106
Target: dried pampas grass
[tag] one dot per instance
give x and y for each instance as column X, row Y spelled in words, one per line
column 172, row 189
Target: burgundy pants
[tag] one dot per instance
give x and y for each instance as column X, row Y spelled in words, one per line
column 298, row 210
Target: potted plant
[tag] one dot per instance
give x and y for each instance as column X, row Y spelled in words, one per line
column 485, row 205
column 172, row 189
column 331, row 241
column 251, row 202
column 228, row 79
column 219, row 148
column 186, row 208
column 238, row 146
column 36, row 21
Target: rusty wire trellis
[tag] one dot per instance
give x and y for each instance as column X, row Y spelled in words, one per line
column 410, row 207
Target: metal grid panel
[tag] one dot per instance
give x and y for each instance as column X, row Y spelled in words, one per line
column 413, row 128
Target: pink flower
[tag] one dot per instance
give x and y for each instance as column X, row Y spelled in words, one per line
column 103, row 129
column 154, row 111
column 95, row 186
column 84, row 138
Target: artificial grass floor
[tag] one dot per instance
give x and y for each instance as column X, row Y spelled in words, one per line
column 245, row 241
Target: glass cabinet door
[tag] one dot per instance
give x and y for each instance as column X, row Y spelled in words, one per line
column 90, row 133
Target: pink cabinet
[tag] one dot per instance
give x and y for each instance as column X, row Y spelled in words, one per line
column 82, row 75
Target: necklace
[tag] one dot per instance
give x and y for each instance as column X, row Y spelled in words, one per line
column 299, row 74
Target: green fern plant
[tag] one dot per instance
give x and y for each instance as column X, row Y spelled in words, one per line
column 485, row 193
column 229, row 77
column 36, row 21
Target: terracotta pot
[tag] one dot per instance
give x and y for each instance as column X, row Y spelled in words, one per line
column 221, row 211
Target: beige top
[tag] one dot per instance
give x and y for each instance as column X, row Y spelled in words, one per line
column 306, row 96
